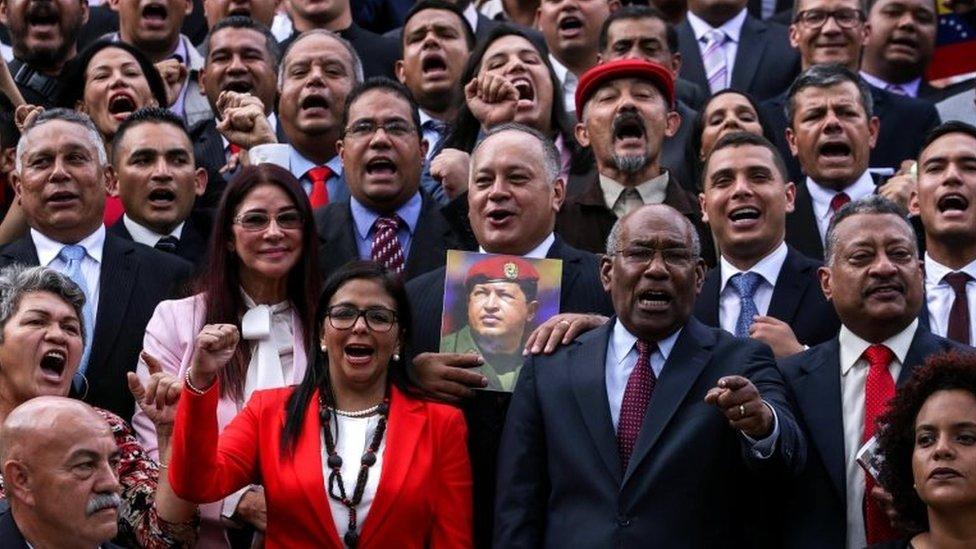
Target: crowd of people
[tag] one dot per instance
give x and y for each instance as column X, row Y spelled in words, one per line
column 223, row 268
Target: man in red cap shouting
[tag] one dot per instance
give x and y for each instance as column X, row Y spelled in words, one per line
column 501, row 304
column 626, row 109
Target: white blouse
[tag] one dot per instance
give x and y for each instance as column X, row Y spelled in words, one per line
column 354, row 437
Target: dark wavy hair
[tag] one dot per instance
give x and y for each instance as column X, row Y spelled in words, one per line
column 946, row 371
column 220, row 282
column 317, row 375
column 74, row 75
column 693, row 149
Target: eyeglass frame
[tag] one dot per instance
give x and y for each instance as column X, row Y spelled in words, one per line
column 860, row 17
column 236, row 220
column 683, row 261
column 408, row 128
column 361, row 313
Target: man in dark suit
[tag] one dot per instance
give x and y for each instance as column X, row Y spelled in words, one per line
column 625, row 128
column 47, row 441
column 378, row 52
column 623, row 436
column 60, row 183
column 722, row 46
column 156, row 179
column 762, row 287
column 874, row 279
column 388, row 218
column 513, row 198
column 904, row 120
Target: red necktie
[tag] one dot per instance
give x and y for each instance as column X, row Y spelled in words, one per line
column 637, row 395
column 386, row 246
column 837, row 202
column 320, row 192
column 234, row 149
column 959, row 313
column 878, row 390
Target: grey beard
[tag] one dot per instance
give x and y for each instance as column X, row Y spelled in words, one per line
column 630, row 164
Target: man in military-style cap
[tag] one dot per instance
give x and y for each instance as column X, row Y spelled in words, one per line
column 501, row 303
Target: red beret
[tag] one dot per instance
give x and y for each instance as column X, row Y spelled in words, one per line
column 501, row 268
column 623, row 68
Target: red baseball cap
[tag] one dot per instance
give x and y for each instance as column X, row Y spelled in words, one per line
column 623, row 68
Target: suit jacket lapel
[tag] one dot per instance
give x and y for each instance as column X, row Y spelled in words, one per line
column 23, row 251
column 788, row 292
column 589, row 383
column 339, row 238
column 708, row 302
column 427, row 246
column 691, row 61
column 818, row 399
column 306, row 466
column 801, row 225
column 923, row 345
column 688, row 358
column 115, row 288
column 750, row 51
column 559, row 250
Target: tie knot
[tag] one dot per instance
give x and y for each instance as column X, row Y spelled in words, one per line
column 878, row 356
column 319, row 174
column 896, row 89
column 435, row 125
column 714, row 36
column 957, row 281
column 644, row 349
column 167, row 244
column 387, row 222
column 72, row 252
column 838, row 201
column 745, row 284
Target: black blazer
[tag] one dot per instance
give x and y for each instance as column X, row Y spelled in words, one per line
column 688, row 483
column 11, row 538
column 428, row 248
column 134, row 279
column 192, row 245
column 797, row 300
column 674, row 150
column 813, row 506
column 765, row 64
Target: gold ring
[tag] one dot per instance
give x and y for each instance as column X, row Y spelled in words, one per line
column 566, row 322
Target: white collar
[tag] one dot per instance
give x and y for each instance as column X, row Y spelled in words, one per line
column 622, row 341
column 539, row 252
column 471, row 15
column 48, row 249
column 651, row 191
column 147, row 236
column 852, row 346
column 562, row 72
column 767, row 267
column 910, row 87
column 732, row 28
column 935, row 271
column 821, row 196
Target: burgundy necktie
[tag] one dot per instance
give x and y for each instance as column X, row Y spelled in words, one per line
column 386, row 246
column 878, row 390
column 959, row 313
column 637, row 394
column 320, row 192
column 837, row 202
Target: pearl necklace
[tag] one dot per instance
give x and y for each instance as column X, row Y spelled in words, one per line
column 358, row 414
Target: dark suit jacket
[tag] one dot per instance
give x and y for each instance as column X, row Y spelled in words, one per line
column 432, row 238
column 134, row 279
column 904, row 123
column 560, row 481
column 11, row 538
column 378, row 53
column 675, row 148
column 193, row 240
column 585, row 221
column 689, row 93
column 208, row 152
column 755, row 8
column 797, row 300
column 580, row 292
column 814, row 505
column 765, row 64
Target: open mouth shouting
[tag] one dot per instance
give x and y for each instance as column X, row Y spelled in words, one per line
column 381, row 167
column 121, row 104
column 654, row 300
column 358, row 354
column 952, row 204
column 835, row 152
column 628, row 131
column 570, row 26
column 53, row 363
column 745, row 217
column 238, row 85
column 154, row 15
column 433, row 65
column 314, row 105
column 62, row 199
column 43, row 18
column 161, row 198
column 499, row 217
column 239, row 9
column 526, row 92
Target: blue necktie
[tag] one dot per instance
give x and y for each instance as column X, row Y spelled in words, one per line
column 73, row 255
column 745, row 285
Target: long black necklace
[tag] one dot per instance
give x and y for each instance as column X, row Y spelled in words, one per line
column 337, row 489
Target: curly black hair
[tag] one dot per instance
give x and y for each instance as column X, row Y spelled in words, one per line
column 942, row 372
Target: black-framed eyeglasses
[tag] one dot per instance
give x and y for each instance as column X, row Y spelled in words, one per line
column 641, row 256
column 259, row 221
column 368, row 128
column 378, row 319
column 847, row 18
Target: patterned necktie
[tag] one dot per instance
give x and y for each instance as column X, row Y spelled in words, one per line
column 637, row 395
column 959, row 326
column 713, row 57
column 386, row 246
column 745, row 285
column 837, row 202
column 73, row 255
column 167, row 244
column 878, row 390
column 320, row 192
column 896, row 89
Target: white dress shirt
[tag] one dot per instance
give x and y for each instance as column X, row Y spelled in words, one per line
column 433, row 138
column 568, row 81
column 651, row 191
column 539, row 252
column 732, row 29
column 729, row 303
column 939, row 296
column 355, row 434
column 853, row 378
column 91, row 265
column 821, row 196
column 147, row 236
column 910, row 87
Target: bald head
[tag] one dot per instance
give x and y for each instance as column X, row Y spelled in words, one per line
column 42, row 421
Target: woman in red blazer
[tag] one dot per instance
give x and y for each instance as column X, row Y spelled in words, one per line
column 387, row 471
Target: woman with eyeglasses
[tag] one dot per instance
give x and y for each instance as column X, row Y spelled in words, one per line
column 347, row 457
column 262, row 277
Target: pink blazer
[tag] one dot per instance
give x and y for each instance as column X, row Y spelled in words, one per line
column 170, row 336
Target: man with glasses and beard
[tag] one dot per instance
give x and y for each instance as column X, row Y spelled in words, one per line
column 626, row 109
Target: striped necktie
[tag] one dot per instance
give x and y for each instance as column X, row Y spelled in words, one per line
column 713, row 58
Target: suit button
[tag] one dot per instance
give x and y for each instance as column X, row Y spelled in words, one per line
column 623, row 521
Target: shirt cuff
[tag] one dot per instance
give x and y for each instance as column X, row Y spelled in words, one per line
column 763, row 449
column 229, row 505
column 270, row 153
